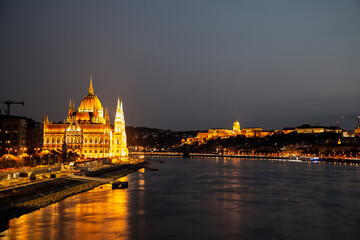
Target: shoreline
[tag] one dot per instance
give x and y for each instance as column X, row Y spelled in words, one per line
column 20, row 202
column 297, row 158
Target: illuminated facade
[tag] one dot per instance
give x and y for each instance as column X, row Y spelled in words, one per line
column 357, row 131
column 87, row 131
column 203, row 137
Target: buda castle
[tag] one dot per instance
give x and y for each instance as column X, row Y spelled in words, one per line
column 88, row 131
column 203, row 137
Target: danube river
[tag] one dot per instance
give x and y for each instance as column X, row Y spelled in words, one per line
column 209, row 198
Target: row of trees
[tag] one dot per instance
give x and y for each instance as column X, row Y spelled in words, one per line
column 52, row 158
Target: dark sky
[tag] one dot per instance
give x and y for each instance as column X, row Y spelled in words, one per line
column 185, row 64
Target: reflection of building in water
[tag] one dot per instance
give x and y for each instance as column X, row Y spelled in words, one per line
column 96, row 214
column 87, row 131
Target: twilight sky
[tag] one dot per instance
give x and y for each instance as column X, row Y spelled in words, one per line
column 185, row 65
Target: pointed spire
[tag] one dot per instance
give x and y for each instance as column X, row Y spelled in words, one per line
column 118, row 105
column 119, row 116
column 70, row 110
column 91, row 90
column 106, row 115
column 47, row 119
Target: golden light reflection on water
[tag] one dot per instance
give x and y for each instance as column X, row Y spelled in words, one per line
column 97, row 214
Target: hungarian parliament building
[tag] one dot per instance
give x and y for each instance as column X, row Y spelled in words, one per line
column 88, row 131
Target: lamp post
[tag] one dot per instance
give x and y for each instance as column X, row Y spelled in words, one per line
column 22, row 150
column 36, row 149
column 5, row 162
column 9, row 149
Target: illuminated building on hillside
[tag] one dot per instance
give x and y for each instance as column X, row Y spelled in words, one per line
column 357, row 130
column 87, row 131
column 203, row 137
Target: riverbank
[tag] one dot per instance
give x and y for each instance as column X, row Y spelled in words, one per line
column 252, row 156
column 17, row 201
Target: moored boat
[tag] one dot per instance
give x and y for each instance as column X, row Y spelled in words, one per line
column 120, row 185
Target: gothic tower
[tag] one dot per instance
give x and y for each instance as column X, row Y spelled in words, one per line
column 119, row 136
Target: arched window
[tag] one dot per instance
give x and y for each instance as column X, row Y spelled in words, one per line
column 47, row 140
column 96, row 140
column 52, row 140
column 117, row 141
column 57, row 140
column 85, row 140
column 101, row 140
column 90, row 141
column 106, row 140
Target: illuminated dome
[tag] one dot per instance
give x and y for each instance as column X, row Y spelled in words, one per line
column 236, row 126
column 90, row 102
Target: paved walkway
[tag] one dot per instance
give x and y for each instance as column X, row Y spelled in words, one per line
column 90, row 178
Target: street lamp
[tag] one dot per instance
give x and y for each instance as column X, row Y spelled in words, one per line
column 22, row 150
column 36, row 149
column 9, row 149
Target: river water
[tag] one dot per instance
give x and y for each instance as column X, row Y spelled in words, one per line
column 209, row 198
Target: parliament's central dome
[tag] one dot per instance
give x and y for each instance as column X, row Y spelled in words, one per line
column 90, row 101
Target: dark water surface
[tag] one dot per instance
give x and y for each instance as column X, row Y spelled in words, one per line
column 209, row 198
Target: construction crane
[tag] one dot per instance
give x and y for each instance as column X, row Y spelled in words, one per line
column 8, row 103
column 358, row 118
